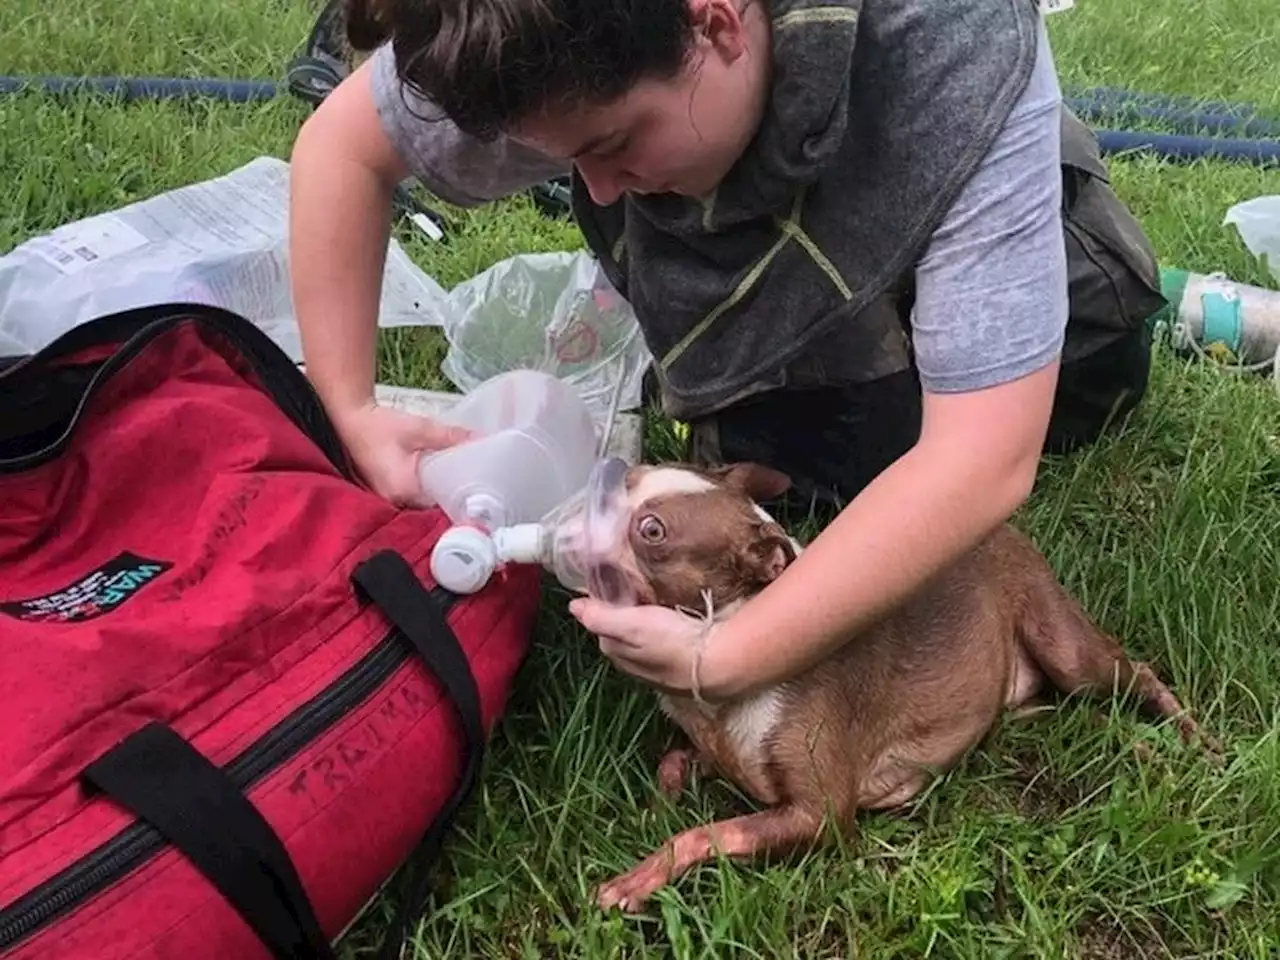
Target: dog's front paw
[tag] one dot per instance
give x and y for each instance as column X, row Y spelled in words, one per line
column 632, row 890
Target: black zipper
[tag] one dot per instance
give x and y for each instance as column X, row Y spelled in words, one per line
column 132, row 847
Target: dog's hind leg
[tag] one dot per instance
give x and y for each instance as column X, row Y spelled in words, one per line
column 1078, row 657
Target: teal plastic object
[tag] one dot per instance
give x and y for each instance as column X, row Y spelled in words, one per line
column 1223, row 320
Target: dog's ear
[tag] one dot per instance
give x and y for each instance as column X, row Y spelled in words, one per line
column 769, row 553
column 757, row 481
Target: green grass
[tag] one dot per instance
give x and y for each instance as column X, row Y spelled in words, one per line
column 1052, row 840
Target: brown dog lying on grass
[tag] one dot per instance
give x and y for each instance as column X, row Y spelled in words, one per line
column 871, row 725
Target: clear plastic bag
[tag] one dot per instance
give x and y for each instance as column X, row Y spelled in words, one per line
column 553, row 312
column 1258, row 222
column 222, row 242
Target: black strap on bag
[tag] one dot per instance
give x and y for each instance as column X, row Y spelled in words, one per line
column 389, row 582
column 163, row 780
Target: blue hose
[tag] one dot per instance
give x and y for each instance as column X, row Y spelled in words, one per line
column 1185, row 149
column 1256, row 139
column 146, row 88
column 1117, row 106
column 1100, row 104
column 1171, row 103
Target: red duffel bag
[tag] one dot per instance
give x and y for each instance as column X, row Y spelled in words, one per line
column 234, row 703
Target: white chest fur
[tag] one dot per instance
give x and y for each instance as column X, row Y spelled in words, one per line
column 747, row 724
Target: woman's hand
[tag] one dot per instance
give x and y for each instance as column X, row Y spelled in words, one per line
column 386, row 444
column 658, row 645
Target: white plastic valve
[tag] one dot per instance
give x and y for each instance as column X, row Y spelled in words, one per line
column 464, row 559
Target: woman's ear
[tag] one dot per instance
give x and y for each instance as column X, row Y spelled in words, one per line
column 719, row 24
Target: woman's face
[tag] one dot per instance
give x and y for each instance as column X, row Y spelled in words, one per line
column 680, row 135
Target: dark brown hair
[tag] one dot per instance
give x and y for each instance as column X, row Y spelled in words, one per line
column 363, row 22
column 491, row 63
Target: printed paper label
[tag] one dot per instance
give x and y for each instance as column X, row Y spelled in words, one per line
column 85, row 244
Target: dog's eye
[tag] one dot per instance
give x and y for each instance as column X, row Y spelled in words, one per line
column 652, row 529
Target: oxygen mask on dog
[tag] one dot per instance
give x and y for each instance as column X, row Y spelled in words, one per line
column 580, row 542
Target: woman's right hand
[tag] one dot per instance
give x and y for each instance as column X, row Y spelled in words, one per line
column 386, row 444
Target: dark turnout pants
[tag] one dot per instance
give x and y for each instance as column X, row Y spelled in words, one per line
column 832, row 442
